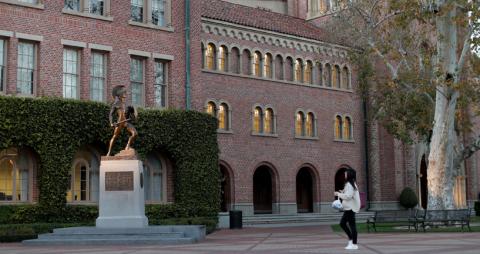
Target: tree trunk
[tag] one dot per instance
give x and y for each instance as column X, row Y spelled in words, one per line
column 441, row 158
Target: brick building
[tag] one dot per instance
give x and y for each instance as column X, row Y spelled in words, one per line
column 289, row 118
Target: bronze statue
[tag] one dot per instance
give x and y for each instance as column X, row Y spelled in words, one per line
column 125, row 116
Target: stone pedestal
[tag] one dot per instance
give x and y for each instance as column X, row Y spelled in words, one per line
column 121, row 198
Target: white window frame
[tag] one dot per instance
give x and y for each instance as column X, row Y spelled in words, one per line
column 76, row 74
column 94, row 78
column 164, row 85
column 138, row 82
column 34, row 69
column 147, row 12
column 4, row 65
column 85, row 10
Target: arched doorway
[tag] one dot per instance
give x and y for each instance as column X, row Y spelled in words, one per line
column 304, row 184
column 340, row 179
column 262, row 190
column 423, row 184
column 225, row 189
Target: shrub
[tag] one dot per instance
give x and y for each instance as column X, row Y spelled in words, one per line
column 20, row 232
column 477, row 208
column 408, row 198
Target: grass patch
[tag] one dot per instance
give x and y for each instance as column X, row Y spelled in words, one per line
column 398, row 228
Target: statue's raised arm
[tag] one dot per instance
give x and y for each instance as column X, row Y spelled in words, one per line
column 125, row 117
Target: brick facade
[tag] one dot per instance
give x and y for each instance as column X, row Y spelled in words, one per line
column 392, row 165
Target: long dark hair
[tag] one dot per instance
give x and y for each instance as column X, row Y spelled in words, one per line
column 351, row 177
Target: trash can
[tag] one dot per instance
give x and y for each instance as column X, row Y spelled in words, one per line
column 235, row 219
column 363, row 199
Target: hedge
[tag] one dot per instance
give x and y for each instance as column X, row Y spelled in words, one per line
column 20, row 222
column 56, row 128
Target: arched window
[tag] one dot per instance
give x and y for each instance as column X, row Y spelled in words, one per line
column 336, row 77
column 328, row 75
column 319, row 75
column 223, row 117
column 154, row 179
column 313, row 6
column 257, row 120
column 235, row 60
column 298, row 71
column 279, row 75
column 347, row 129
column 310, row 125
column 289, row 70
column 267, row 67
column 16, row 174
column 84, row 177
column 269, row 121
column 324, row 6
column 222, row 58
column 299, row 124
column 210, row 57
column 246, row 62
column 257, row 59
column 307, row 75
column 338, row 127
column 345, row 78
column 212, row 109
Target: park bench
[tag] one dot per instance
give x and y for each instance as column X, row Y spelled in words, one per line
column 459, row 217
column 397, row 217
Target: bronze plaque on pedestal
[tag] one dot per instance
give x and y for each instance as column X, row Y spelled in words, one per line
column 119, row 181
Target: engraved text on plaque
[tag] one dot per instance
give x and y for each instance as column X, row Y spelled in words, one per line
column 119, row 181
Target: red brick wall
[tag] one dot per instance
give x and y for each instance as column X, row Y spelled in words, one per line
column 244, row 152
column 54, row 26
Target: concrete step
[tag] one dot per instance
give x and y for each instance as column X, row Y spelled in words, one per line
column 109, row 231
column 111, row 236
column 105, row 241
column 156, row 235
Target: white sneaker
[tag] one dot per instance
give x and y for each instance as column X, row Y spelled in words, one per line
column 352, row 247
column 349, row 244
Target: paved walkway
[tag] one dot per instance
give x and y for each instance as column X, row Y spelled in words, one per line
column 308, row 239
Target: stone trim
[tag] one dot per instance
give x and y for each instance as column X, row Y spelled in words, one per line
column 77, row 44
column 100, row 47
column 139, row 53
column 40, row 4
column 163, row 56
column 6, row 33
column 220, row 28
column 151, row 26
column 29, row 37
column 87, row 15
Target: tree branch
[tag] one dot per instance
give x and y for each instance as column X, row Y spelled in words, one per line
column 373, row 7
column 385, row 18
column 411, row 89
column 465, row 50
column 393, row 71
column 467, row 152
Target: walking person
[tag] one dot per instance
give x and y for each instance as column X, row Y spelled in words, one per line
column 351, row 205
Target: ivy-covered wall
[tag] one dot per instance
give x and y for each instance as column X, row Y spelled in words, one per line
column 56, row 128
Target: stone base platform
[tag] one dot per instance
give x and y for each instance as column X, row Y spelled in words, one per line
column 151, row 235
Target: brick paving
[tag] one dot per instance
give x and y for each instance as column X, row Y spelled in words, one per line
column 308, row 239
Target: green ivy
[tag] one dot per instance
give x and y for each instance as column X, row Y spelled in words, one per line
column 56, row 128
